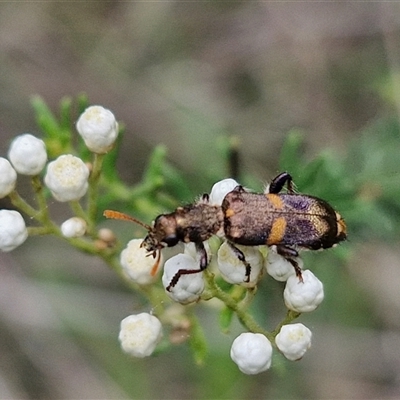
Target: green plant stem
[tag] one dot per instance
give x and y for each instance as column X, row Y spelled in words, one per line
column 22, row 205
column 77, row 209
column 154, row 294
column 93, row 191
column 290, row 316
column 245, row 318
column 250, row 293
column 39, row 230
column 41, row 215
column 40, row 199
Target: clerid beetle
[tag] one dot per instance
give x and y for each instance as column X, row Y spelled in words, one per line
column 289, row 221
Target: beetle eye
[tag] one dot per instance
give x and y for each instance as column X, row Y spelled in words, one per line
column 171, row 240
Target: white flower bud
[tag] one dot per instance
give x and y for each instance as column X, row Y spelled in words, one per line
column 303, row 296
column 233, row 270
column 27, row 154
column 136, row 263
column 278, row 267
column 252, row 352
column 8, row 178
column 293, row 341
column 74, row 227
column 67, row 178
column 189, row 286
column 140, row 334
column 221, row 189
column 190, row 250
column 98, row 128
column 107, row 236
column 13, row 230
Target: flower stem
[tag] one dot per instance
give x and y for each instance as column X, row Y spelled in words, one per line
column 290, row 316
column 77, row 209
column 93, row 188
column 23, row 206
column 245, row 318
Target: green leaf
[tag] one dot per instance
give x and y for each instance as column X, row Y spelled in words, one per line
column 225, row 319
column 83, row 102
column 110, row 172
column 289, row 157
column 197, row 342
column 57, row 135
column 66, row 114
column 154, row 170
column 45, row 118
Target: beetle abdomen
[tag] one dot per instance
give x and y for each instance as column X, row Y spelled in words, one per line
column 281, row 219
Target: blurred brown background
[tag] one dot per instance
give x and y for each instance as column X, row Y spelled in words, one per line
column 252, row 69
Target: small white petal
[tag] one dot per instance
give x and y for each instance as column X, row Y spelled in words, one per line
column 74, row 227
column 221, row 189
column 140, row 334
column 293, row 340
column 136, row 263
column 98, row 128
column 27, row 154
column 252, row 352
column 13, row 230
column 189, row 286
column 8, row 178
column 67, row 178
column 303, row 296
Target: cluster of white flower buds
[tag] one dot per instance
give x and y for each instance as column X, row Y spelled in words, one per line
column 252, row 352
column 66, row 177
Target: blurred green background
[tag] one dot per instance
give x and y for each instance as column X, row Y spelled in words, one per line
column 189, row 75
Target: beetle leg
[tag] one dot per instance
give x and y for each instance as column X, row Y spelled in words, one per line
column 203, row 255
column 239, row 254
column 205, row 198
column 203, row 265
column 278, row 183
column 288, row 253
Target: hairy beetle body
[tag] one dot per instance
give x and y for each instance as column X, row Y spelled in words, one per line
column 192, row 223
column 288, row 221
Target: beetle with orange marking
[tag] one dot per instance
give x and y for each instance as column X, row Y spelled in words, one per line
column 289, row 221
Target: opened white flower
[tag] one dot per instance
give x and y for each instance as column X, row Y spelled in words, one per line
column 98, row 128
column 293, row 340
column 67, row 178
column 13, row 230
column 137, row 265
column 8, row 178
column 252, row 352
column 140, row 334
column 303, row 296
column 27, row 154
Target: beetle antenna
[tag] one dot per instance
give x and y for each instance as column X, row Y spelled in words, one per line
column 119, row 215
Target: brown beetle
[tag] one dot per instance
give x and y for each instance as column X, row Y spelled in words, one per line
column 288, row 221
